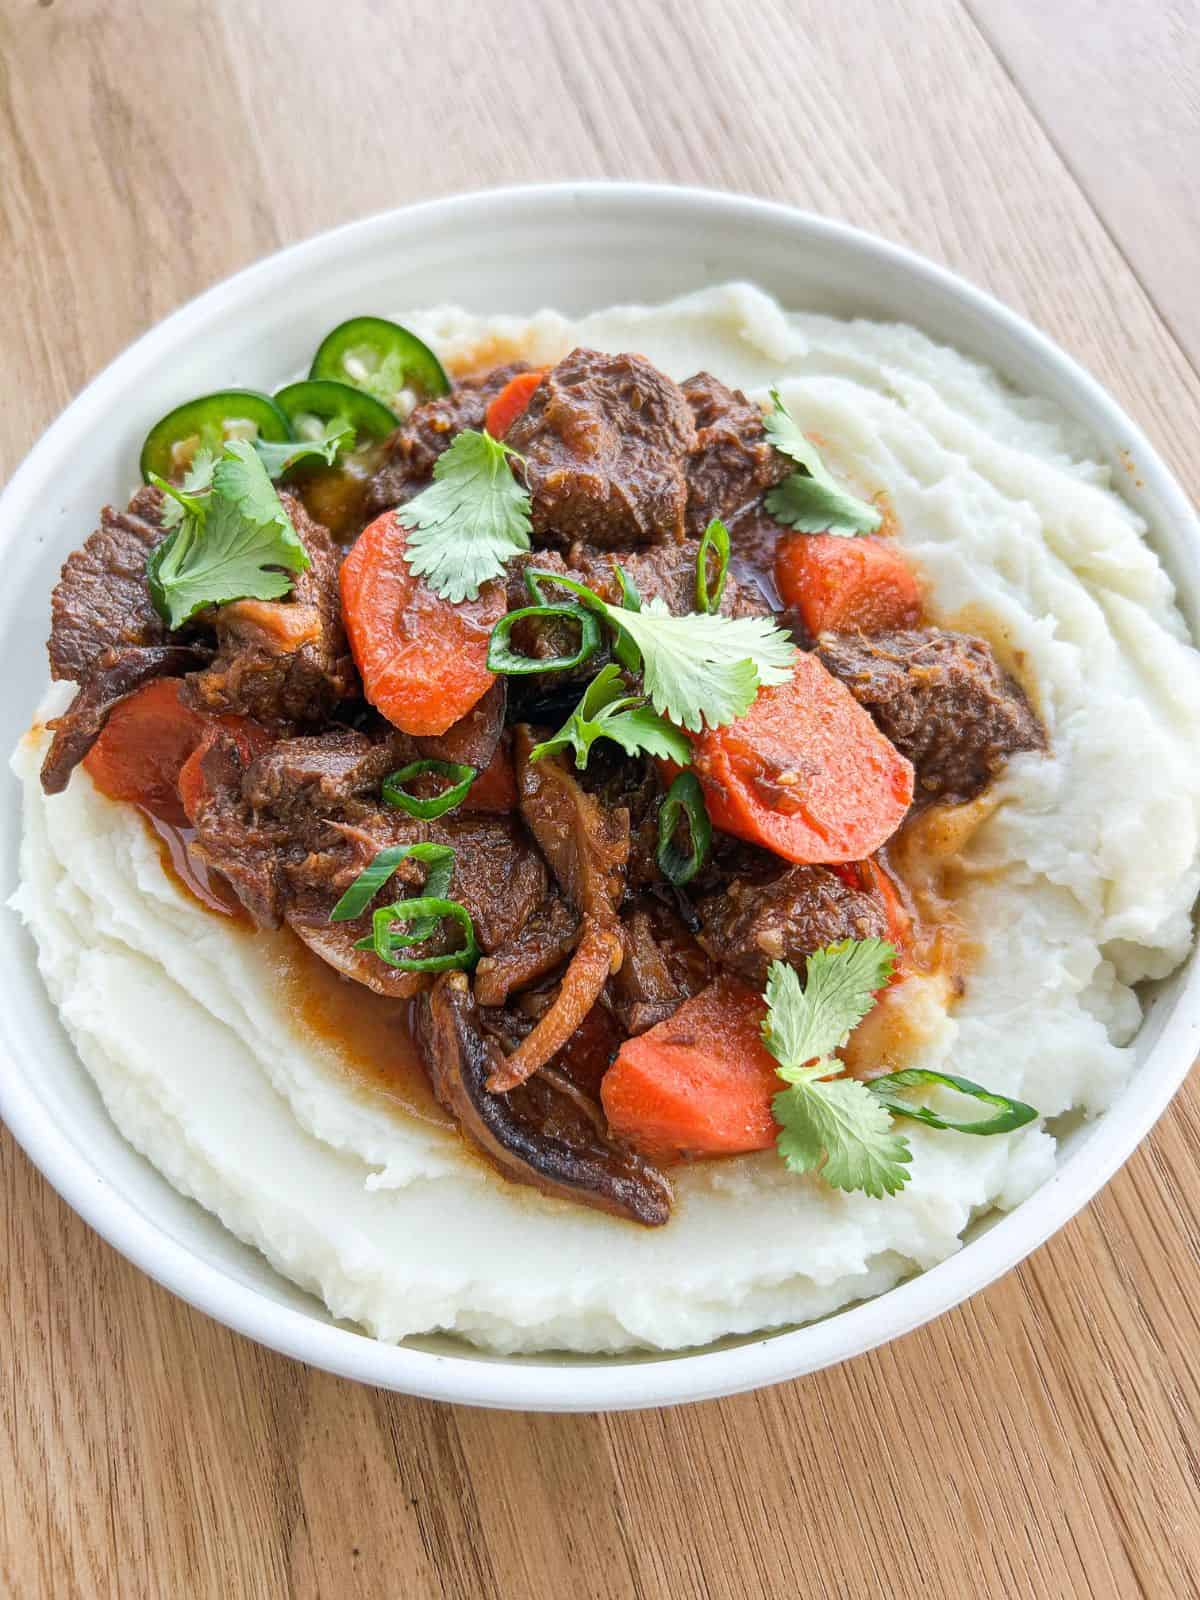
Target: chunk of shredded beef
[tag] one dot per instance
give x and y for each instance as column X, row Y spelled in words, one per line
column 750, row 924
column 412, row 451
column 105, row 634
column 283, row 662
column 293, row 828
column 604, row 439
column 943, row 701
column 733, row 462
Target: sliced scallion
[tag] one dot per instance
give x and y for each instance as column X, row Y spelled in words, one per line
column 459, row 775
column 1012, row 1113
column 437, row 858
column 426, row 911
column 685, row 798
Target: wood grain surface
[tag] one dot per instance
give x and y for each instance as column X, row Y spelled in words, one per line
column 1042, row 1440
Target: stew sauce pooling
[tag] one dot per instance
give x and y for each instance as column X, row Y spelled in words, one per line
column 292, row 783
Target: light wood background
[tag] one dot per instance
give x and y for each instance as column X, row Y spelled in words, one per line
column 1041, row 1441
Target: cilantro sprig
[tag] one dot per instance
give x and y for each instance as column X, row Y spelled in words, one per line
column 698, row 669
column 832, row 1123
column 837, row 1125
column 471, row 519
column 607, row 712
column 811, row 500
column 230, row 537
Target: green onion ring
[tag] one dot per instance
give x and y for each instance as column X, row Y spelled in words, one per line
column 686, row 798
column 428, row 908
column 1012, row 1113
column 461, row 778
column 438, row 858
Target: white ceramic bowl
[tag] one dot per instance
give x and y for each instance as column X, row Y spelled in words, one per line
column 577, row 247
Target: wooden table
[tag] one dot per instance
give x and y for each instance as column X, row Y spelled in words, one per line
column 1040, row 1441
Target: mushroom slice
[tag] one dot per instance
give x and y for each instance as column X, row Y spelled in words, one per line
column 574, row 1162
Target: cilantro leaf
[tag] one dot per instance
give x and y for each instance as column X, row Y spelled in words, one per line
column 842, row 1122
column 839, row 989
column 700, row 669
column 240, row 478
column 605, row 712
column 831, row 1122
column 228, row 545
column 471, row 519
column 279, row 458
column 182, row 498
column 811, row 500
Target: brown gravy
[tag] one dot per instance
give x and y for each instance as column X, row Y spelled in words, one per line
column 371, row 1035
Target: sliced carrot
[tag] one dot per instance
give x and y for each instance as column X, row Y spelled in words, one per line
column 422, row 660
column 145, row 742
column 252, row 740
column 805, row 772
column 700, row 1083
column 508, row 405
column 495, row 789
column 846, row 584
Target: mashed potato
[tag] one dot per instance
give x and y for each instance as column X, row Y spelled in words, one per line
column 1079, row 884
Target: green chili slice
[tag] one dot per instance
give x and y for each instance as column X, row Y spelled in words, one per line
column 715, row 540
column 381, row 358
column 208, row 423
column 428, row 910
column 685, row 798
column 460, row 776
column 315, row 402
column 1012, row 1113
column 631, row 595
column 503, row 658
column 624, row 649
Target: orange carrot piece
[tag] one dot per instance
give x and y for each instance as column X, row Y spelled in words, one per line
column 144, row 744
column 252, row 739
column 805, row 772
column 422, row 660
column 700, row 1083
column 846, row 584
column 495, row 789
column 507, row 406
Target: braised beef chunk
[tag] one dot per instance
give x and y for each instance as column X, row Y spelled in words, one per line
column 413, row 449
column 535, row 1135
column 228, row 834
column 113, row 675
column 544, row 943
column 604, row 439
column 283, row 662
column 750, row 924
column 498, row 875
column 662, row 967
column 733, row 462
column 943, row 701
column 101, row 601
column 293, row 827
column 474, row 739
column 325, row 775
column 105, row 634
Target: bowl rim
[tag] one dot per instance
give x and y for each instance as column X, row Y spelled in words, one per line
column 610, row 1382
